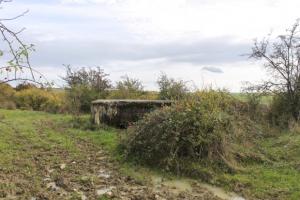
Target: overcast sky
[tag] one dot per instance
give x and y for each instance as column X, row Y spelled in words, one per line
column 201, row 41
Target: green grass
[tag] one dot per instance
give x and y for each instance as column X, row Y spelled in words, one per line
column 106, row 138
column 51, row 131
column 30, row 142
column 265, row 182
column 243, row 97
column 276, row 178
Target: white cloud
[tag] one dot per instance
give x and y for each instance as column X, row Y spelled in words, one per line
column 144, row 37
column 213, row 69
column 88, row 1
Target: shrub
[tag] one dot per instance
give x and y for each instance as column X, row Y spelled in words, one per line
column 196, row 130
column 6, row 91
column 280, row 112
column 147, row 95
column 10, row 105
column 40, row 100
column 255, row 109
column 128, row 88
column 171, row 89
column 55, row 103
column 79, row 98
column 84, row 86
column 7, row 96
column 24, row 86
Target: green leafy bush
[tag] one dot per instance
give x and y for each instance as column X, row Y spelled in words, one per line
column 84, row 86
column 193, row 132
column 256, row 109
column 127, row 88
column 171, row 89
column 280, row 112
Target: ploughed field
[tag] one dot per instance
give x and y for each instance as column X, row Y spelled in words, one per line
column 43, row 157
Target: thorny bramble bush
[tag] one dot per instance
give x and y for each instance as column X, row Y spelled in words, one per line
column 197, row 129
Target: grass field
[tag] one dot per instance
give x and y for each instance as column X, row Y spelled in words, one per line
column 34, row 143
column 276, row 178
column 243, row 97
column 33, row 148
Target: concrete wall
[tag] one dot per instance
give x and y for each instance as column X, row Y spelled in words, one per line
column 122, row 113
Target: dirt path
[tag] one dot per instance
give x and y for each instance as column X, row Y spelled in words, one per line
column 39, row 168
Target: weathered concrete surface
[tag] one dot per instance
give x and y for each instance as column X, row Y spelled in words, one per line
column 122, row 113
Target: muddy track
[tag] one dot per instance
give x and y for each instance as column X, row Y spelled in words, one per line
column 44, row 171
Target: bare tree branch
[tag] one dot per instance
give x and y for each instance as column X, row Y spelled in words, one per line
column 18, row 50
column 282, row 60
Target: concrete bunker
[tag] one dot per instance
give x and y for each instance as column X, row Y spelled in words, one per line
column 122, row 113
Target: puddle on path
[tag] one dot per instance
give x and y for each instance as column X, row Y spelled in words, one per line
column 185, row 185
column 219, row 192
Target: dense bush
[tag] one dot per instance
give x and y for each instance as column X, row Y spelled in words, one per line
column 40, row 100
column 127, row 88
column 196, row 130
column 84, row 86
column 256, row 110
column 24, row 86
column 7, row 97
column 147, row 95
column 280, row 111
column 171, row 89
column 79, row 98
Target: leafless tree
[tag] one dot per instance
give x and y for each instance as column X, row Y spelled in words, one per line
column 281, row 57
column 18, row 65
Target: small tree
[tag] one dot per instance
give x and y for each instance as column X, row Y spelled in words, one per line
column 282, row 61
column 129, row 88
column 84, row 86
column 171, row 89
